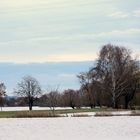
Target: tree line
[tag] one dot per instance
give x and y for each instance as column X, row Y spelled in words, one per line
column 113, row 81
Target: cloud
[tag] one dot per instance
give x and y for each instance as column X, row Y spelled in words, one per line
column 131, row 31
column 64, row 30
column 130, row 35
column 119, row 14
column 68, row 57
column 128, row 14
column 136, row 13
column 78, row 47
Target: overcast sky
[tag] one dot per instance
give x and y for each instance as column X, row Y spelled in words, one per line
column 39, row 31
column 65, row 30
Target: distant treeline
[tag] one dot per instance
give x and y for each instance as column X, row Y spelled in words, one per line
column 114, row 81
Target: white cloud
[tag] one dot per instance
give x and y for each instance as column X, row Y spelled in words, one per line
column 63, row 30
column 68, row 57
column 119, row 14
column 136, row 13
column 114, row 33
column 131, row 31
column 78, row 47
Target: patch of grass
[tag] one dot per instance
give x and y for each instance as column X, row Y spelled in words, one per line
column 65, row 111
column 7, row 114
column 49, row 113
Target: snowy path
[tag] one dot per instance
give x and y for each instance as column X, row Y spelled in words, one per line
column 73, row 128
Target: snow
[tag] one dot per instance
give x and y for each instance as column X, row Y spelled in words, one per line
column 71, row 128
column 88, row 114
column 27, row 108
column 121, row 112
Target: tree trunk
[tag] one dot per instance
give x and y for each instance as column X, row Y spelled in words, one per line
column 30, row 104
column 72, row 107
column 114, row 103
column 126, row 102
column 30, row 107
column 92, row 105
column 53, row 111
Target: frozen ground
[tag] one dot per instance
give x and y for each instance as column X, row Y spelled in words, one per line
column 71, row 128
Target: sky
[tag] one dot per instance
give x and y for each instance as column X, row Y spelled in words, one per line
column 50, row 31
column 51, row 75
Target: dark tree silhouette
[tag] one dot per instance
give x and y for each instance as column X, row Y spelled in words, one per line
column 30, row 88
column 2, row 94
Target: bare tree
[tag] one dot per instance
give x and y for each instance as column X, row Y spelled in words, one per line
column 52, row 99
column 2, row 93
column 115, row 71
column 70, row 98
column 133, row 87
column 30, row 88
column 85, row 79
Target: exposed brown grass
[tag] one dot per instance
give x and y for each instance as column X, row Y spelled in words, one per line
column 35, row 114
column 135, row 113
column 80, row 115
column 103, row 114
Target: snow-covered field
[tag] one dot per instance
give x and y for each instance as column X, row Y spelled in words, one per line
column 27, row 108
column 71, row 128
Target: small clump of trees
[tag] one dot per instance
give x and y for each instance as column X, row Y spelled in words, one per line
column 116, row 75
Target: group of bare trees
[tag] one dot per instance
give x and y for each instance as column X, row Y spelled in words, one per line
column 114, row 80
column 115, row 75
column 54, row 98
column 30, row 93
